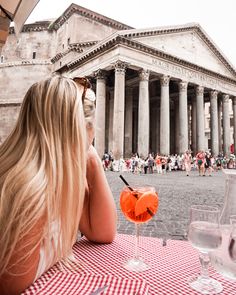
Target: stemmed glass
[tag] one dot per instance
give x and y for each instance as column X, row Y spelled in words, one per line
column 139, row 205
column 232, row 240
column 205, row 235
column 224, row 258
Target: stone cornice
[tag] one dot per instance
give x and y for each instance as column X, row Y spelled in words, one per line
column 74, row 8
column 25, row 63
column 76, row 47
column 83, row 44
column 178, row 29
column 35, row 27
column 120, row 40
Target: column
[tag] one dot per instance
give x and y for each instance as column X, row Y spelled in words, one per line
column 177, row 126
column 111, row 114
column 234, row 118
column 165, row 116
column 189, row 123
column 128, row 121
column 214, row 123
column 100, row 112
column 157, row 130
column 200, row 118
column 119, row 110
column 172, row 128
column 135, row 124
column 194, row 126
column 220, row 125
column 183, row 117
column 226, row 125
column 143, row 114
column 153, row 128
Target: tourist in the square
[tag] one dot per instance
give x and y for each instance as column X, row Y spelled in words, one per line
column 176, row 165
column 145, row 165
column 230, row 164
column 128, row 164
column 158, row 164
column 121, row 165
column 163, row 164
column 187, row 160
column 219, row 162
column 133, row 164
column 52, row 183
column 150, row 163
column 106, row 161
column 168, row 163
column 224, row 162
column 200, row 158
column 208, row 164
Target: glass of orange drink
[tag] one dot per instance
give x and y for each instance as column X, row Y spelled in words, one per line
column 139, row 205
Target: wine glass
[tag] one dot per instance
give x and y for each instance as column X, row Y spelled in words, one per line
column 224, row 258
column 139, row 205
column 232, row 241
column 205, row 235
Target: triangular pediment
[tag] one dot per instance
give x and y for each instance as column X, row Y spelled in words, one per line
column 89, row 14
column 189, row 43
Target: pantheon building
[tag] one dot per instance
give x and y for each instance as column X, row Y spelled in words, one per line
column 162, row 90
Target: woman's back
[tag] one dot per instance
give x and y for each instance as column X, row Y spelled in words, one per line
column 43, row 180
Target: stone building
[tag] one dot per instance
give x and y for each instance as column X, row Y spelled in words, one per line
column 153, row 85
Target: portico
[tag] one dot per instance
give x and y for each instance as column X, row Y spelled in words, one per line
column 149, row 100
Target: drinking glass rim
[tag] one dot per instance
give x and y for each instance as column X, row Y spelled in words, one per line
column 205, row 208
column 139, row 187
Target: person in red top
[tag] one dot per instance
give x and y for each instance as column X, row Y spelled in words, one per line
column 158, row 164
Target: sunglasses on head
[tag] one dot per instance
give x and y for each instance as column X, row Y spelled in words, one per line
column 88, row 93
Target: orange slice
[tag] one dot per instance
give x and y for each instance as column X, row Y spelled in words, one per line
column 147, row 202
column 127, row 201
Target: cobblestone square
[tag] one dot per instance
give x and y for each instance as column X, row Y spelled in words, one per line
column 177, row 193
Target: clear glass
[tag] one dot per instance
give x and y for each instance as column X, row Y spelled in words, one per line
column 221, row 259
column 229, row 207
column 139, row 205
column 232, row 243
column 205, row 235
column 224, row 258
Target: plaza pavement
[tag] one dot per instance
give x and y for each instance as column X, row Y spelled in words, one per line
column 177, row 193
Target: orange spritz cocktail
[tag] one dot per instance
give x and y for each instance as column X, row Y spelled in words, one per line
column 139, row 205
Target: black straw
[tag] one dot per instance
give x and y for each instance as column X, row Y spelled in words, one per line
column 129, row 187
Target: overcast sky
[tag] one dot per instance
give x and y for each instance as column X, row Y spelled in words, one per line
column 217, row 18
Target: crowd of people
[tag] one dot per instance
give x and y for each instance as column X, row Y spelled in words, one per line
column 203, row 161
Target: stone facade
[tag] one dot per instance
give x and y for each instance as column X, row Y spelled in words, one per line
column 8, row 116
column 153, row 85
column 41, row 49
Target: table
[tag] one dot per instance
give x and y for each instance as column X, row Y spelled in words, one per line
column 171, row 265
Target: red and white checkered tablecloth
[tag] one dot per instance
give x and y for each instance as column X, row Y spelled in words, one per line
column 171, row 266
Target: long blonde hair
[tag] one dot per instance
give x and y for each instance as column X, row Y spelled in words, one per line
column 43, row 170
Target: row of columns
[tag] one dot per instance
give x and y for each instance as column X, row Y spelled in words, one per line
column 123, row 101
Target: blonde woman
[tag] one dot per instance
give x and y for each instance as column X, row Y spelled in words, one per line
column 52, row 183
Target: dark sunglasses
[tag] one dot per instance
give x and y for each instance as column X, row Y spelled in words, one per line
column 88, row 93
